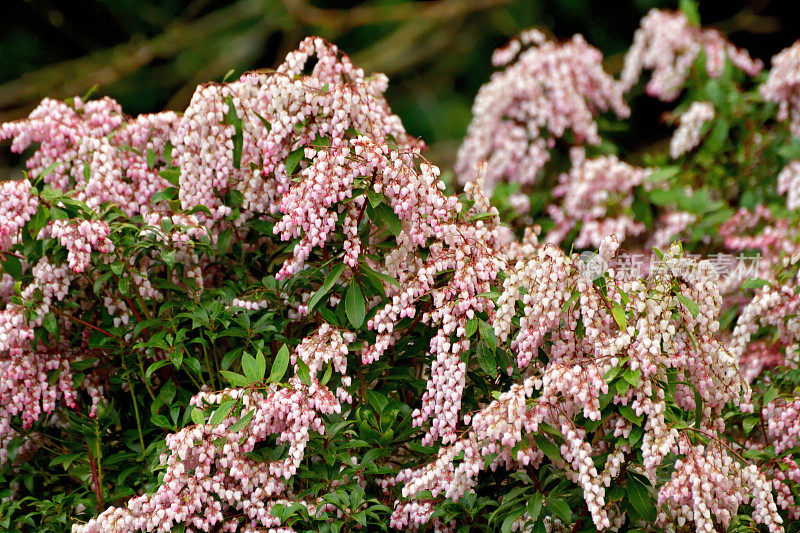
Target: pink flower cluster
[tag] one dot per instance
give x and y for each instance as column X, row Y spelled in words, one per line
column 209, row 479
column 668, row 44
column 708, row 486
column 519, row 114
column 93, row 149
column 690, row 124
column 598, row 195
column 572, row 379
column 80, row 238
column 17, row 207
column 783, row 86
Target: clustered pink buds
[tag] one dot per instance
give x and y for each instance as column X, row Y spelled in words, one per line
column 17, row 207
column 783, row 86
column 708, row 486
column 690, row 124
column 518, row 115
column 208, row 475
column 589, row 191
column 80, row 238
column 668, row 44
column 789, row 184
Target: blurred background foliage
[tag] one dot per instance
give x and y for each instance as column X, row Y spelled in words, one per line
column 150, row 55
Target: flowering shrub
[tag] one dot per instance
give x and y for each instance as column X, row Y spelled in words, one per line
column 271, row 312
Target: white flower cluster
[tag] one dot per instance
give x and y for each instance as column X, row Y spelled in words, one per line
column 690, row 124
column 518, row 115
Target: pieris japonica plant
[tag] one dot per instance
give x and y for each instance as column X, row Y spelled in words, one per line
column 271, row 312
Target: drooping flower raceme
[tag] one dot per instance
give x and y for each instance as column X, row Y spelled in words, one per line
column 548, row 90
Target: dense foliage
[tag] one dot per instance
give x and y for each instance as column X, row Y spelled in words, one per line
column 271, row 312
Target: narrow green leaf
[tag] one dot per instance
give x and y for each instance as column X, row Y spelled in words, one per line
column 693, row 308
column 619, row 317
column 471, row 328
column 386, row 214
column 561, row 509
column 250, row 367
column 354, row 305
column 237, row 380
column 698, row 409
column 261, row 365
column 279, row 365
column 549, row 449
column 303, row 373
column 640, row 499
column 155, row 366
column 197, row 416
column 224, row 241
column 222, row 412
column 487, row 334
column 242, row 422
column 50, row 323
column 383, row 277
column 330, row 280
column 172, row 175
column 293, row 159
column 535, row 506
column 13, row 266
column 486, row 359
column 749, row 423
column 754, row 283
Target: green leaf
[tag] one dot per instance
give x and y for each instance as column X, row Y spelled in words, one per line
column 383, row 277
column 250, row 367
column 238, row 137
column 664, row 173
column 330, row 280
column 631, row 415
column 487, row 334
column 755, row 283
column 293, row 159
column 640, row 499
column 197, row 416
column 161, row 421
column 242, row 422
column 303, row 373
column 50, row 323
column 13, row 266
column 486, row 359
column 632, row 376
column 222, row 412
column 279, row 365
column 698, row 409
column 386, row 214
column 689, row 8
column 749, row 423
column 155, row 366
column 151, row 158
column 471, row 328
column 560, row 508
column 224, row 241
column 354, row 305
column 549, row 449
column 612, row 373
column 769, row 396
column 693, row 308
column 261, row 365
column 535, row 506
column 237, row 380
column 619, row 316
column 172, row 175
